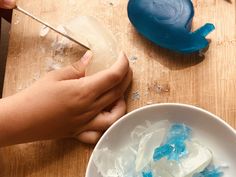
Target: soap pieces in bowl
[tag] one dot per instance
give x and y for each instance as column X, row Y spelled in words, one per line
column 198, row 158
column 145, row 154
column 168, row 24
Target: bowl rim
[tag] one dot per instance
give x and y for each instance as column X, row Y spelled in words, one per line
column 123, row 118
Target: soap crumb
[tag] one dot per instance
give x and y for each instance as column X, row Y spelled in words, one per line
column 159, row 88
column 133, row 59
column 44, row 31
column 61, row 29
column 111, row 2
column 17, row 20
column 162, row 88
column 135, row 96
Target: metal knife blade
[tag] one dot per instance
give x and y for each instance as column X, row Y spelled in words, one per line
column 51, row 27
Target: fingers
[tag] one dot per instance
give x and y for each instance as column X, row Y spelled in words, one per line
column 74, row 71
column 105, row 119
column 7, row 4
column 105, row 80
column 102, row 122
column 89, row 137
column 113, row 94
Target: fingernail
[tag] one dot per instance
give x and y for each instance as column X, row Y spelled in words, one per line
column 9, row 3
column 87, row 56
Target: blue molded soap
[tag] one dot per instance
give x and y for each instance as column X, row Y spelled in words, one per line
column 168, row 24
column 174, row 147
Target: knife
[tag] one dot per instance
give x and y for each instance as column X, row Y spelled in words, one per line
column 51, row 27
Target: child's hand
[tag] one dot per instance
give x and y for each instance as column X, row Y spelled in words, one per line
column 7, row 4
column 67, row 104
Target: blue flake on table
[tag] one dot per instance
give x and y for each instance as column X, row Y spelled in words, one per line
column 174, row 147
column 210, row 172
column 147, row 174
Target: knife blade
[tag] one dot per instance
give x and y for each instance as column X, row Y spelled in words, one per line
column 51, row 27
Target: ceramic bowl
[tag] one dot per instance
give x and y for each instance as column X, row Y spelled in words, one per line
column 209, row 129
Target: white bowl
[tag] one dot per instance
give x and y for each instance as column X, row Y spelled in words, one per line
column 209, row 129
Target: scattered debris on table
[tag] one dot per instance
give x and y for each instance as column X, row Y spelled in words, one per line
column 159, row 88
column 133, row 59
column 135, row 96
column 111, row 2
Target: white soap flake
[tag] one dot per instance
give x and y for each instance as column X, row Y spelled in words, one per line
column 61, row 29
column 44, row 31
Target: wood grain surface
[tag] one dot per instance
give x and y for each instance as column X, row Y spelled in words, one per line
column 159, row 75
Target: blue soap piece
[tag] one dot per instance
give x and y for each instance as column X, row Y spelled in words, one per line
column 210, row 172
column 174, row 146
column 147, row 174
column 168, row 24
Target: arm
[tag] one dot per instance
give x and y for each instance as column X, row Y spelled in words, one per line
column 66, row 104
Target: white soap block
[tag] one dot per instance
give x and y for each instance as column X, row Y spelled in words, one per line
column 143, row 130
column 115, row 164
column 199, row 157
column 147, row 146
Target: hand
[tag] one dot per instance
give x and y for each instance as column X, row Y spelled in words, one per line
column 67, row 104
column 7, row 4
column 5, row 9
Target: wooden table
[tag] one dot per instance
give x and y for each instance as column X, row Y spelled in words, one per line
column 159, row 75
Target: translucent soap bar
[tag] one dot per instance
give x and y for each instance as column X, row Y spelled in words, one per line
column 168, row 24
column 91, row 32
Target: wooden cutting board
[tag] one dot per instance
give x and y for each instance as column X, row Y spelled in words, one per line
column 159, row 75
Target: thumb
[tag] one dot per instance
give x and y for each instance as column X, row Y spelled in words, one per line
column 74, row 71
column 7, row 4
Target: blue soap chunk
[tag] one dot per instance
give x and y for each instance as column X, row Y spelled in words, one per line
column 147, row 174
column 174, row 146
column 168, row 24
column 210, row 172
